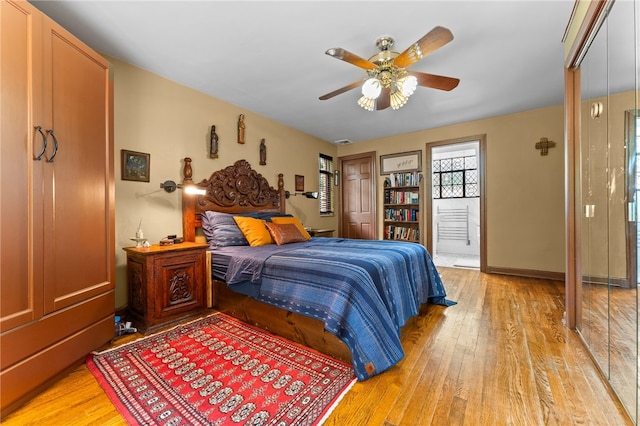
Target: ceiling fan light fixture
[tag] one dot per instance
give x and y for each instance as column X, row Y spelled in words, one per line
column 371, row 88
column 367, row 103
column 407, row 85
column 388, row 83
column 397, row 99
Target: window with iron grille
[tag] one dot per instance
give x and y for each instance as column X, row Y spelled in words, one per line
column 325, row 189
column 456, row 177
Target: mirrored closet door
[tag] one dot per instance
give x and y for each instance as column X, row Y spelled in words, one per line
column 608, row 297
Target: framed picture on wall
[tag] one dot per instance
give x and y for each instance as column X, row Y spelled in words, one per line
column 135, row 166
column 299, row 183
column 410, row 161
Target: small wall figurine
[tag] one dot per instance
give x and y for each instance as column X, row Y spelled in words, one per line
column 241, row 128
column 263, row 153
column 213, row 143
column 187, row 171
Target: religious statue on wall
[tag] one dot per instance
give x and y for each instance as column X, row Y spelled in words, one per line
column 263, row 153
column 241, row 128
column 213, row 143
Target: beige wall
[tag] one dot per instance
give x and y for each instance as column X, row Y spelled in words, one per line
column 170, row 121
column 525, row 191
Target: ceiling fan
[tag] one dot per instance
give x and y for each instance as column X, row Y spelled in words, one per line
column 388, row 82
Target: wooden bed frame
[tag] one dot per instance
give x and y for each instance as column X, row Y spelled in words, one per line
column 240, row 189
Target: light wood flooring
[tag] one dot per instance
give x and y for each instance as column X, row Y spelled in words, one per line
column 501, row 356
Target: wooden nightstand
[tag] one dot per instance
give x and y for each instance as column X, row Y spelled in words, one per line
column 320, row 232
column 166, row 283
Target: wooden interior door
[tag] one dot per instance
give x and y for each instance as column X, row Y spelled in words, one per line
column 358, row 196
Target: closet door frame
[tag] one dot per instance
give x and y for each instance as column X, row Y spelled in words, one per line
column 583, row 26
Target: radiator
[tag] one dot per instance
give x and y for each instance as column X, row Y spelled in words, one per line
column 453, row 224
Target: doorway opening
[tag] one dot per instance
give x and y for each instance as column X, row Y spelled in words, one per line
column 456, row 202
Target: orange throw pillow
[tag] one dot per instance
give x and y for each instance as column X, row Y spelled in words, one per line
column 285, row 233
column 293, row 220
column 254, row 230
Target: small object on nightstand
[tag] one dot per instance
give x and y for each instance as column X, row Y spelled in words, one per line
column 139, row 241
column 139, row 233
column 173, row 238
column 139, row 238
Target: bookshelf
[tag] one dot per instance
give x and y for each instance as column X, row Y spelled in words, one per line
column 403, row 207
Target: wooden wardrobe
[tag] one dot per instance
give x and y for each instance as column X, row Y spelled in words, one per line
column 57, row 246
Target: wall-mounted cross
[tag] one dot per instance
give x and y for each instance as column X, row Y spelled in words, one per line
column 544, row 145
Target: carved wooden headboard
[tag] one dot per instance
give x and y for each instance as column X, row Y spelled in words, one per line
column 235, row 189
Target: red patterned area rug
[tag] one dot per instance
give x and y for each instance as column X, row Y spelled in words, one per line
column 220, row 371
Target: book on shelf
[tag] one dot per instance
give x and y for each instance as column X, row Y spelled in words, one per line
column 394, row 196
column 404, row 179
column 405, row 233
column 401, row 214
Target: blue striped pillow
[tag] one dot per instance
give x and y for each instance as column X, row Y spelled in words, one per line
column 221, row 230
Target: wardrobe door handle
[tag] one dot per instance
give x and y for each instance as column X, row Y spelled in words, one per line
column 44, row 144
column 55, row 146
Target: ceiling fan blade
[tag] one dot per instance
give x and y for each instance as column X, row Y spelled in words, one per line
column 347, row 56
column 384, row 100
column 433, row 40
column 435, row 81
column 341, row 90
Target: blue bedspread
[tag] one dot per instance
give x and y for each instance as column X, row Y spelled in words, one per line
column 364, row 291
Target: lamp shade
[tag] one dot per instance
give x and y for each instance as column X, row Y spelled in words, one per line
column 397, row 100
column 308, row 194
column 408, row 85
column 367, row 103
column 171, row 186
column 371, row 88
column 193, row 190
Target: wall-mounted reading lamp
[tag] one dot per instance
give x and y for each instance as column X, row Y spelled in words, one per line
column 170, row 186
column 288, row 194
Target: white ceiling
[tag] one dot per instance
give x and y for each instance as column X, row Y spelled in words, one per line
column 268, row 56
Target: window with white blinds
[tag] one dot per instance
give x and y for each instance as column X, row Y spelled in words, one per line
column 325, row 190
